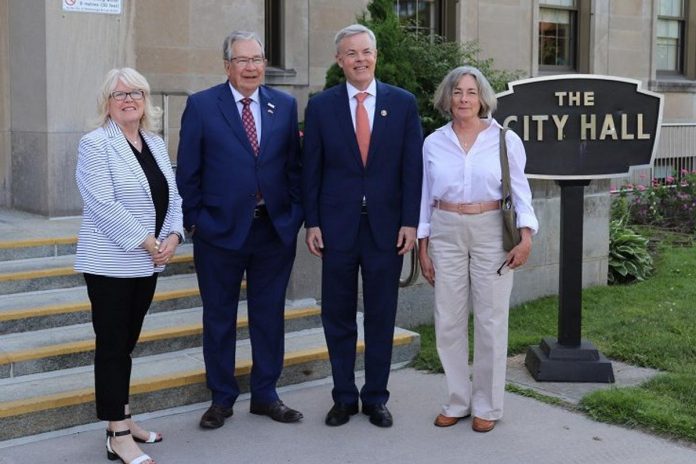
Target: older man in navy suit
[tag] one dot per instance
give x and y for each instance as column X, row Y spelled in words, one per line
column 239, row 176
column 361, row 182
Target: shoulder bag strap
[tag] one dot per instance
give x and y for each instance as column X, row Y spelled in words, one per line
column 505, row 170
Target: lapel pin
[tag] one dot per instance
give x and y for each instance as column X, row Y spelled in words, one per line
column 270, row 105
column 383, row 112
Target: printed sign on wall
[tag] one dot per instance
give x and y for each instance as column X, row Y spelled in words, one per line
column 93, row 6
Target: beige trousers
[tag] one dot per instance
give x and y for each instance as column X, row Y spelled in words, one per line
column 466, row 251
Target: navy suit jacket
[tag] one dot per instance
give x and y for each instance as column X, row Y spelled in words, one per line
column 218, row 174
column 334, row 180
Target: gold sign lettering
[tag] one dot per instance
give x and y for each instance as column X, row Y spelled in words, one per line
column 588, row 121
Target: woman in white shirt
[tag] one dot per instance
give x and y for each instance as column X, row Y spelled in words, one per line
column 461, row 243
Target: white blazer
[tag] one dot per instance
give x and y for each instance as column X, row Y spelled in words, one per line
column 118, row 211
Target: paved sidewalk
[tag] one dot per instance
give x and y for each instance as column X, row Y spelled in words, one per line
column 531, row 433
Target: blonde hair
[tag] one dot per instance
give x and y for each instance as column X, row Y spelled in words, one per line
column 442, row 100
column 151, row 115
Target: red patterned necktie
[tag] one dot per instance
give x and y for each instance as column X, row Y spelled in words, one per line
column 362, row 126
column 249, row 125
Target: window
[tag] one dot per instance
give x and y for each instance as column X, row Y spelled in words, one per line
column 274, row 33
column 558, row 35
column 429, row 17
column 670, row 36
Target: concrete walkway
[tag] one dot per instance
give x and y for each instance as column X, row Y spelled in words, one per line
column 531, row 433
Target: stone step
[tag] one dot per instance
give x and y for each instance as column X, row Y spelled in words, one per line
column 34, row 274
column 72, row 346
column 11, row 250
column 43, row 309
column 43, row 402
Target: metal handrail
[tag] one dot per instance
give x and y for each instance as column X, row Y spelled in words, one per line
column 413, row 272
column 165, row 94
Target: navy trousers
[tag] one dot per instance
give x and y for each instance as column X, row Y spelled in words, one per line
column 380, row 270
column 267, row 262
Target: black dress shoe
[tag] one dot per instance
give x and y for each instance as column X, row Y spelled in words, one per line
column 379, row 414
column 276, row 411
column 340, row 413
column 215, row 416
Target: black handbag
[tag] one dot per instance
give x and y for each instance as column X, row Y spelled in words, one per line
column 511, row 234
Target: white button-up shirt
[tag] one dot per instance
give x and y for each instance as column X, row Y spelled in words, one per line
column 450, row 174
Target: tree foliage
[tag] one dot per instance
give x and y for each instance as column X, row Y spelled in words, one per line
column 418, row 62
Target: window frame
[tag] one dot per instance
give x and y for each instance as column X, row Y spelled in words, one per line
column 274, row 33
column 681, row 21
column 688, row 51
column 573, row 38
column 444, row 15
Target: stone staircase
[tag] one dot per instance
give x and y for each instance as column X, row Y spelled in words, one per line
column 47, row 342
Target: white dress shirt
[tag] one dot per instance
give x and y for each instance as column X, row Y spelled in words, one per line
column 255, row 108
column 450, row 174
column 370, row 102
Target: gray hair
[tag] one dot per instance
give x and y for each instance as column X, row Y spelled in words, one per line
column 133, row 79
column 443, row 95
column 234, row 37
column 354, row 29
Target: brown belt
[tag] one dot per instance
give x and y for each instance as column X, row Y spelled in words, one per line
column 467, row 208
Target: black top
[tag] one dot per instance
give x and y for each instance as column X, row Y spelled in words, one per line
column 158, row 183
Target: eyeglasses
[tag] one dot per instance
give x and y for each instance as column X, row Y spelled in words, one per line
column 134, row 94
column 242, row 62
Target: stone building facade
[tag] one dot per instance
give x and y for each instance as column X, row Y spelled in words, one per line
column 52, row 61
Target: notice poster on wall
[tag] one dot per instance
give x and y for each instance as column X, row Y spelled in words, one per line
column 93, row 6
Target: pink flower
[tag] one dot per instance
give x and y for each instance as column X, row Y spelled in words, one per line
column 669, row 179
column 640, row 187
column 684, row 171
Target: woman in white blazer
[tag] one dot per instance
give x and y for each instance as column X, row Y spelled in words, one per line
column 131, row 227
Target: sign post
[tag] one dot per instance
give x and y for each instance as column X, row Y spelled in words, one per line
column 576, row 128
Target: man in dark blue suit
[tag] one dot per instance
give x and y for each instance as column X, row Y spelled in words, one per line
column 361, row 182
column 239, row 176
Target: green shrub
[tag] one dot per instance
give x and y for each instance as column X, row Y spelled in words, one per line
column 629, row 259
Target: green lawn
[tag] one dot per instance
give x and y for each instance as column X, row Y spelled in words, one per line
column 651, row 324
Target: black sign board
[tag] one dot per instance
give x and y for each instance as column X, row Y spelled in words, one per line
column 582, row 126
column 576, row 128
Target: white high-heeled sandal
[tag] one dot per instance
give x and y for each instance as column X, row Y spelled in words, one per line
column 152, row 437
column 112, row 455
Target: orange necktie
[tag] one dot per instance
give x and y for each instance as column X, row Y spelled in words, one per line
column 362, row 126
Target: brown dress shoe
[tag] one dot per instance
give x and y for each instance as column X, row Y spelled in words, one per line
column 482, row 425
column 445, row 421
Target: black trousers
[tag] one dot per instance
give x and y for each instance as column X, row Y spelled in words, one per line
column 119, row 306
